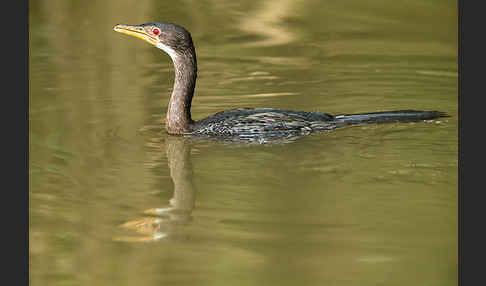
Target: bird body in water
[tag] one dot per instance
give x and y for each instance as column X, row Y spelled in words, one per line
column 247, row 124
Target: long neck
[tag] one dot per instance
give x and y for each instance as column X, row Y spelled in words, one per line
column 179, row 119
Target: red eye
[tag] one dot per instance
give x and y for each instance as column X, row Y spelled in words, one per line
column 156, row 31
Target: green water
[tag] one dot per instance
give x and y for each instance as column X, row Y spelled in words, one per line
column 115, row 201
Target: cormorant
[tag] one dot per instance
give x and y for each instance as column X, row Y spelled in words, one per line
column 247, row 124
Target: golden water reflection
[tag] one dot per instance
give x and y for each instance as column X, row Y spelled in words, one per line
column 359, row 206
column 266, row 22
column 161, row 221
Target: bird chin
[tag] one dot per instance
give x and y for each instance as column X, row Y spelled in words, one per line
column 167, row 49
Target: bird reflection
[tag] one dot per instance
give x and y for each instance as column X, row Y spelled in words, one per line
column 162, row 222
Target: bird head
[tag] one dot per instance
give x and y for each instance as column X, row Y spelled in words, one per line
column 171, row 38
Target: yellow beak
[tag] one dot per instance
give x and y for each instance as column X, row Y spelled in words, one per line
column 136, row 31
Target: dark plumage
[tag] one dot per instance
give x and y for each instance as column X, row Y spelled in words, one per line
column 243, row 124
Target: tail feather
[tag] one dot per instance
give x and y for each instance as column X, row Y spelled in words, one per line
column 390, row 116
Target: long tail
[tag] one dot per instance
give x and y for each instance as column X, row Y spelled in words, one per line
column 389, row 116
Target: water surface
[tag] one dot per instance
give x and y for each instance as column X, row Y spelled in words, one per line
column 115, row 201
